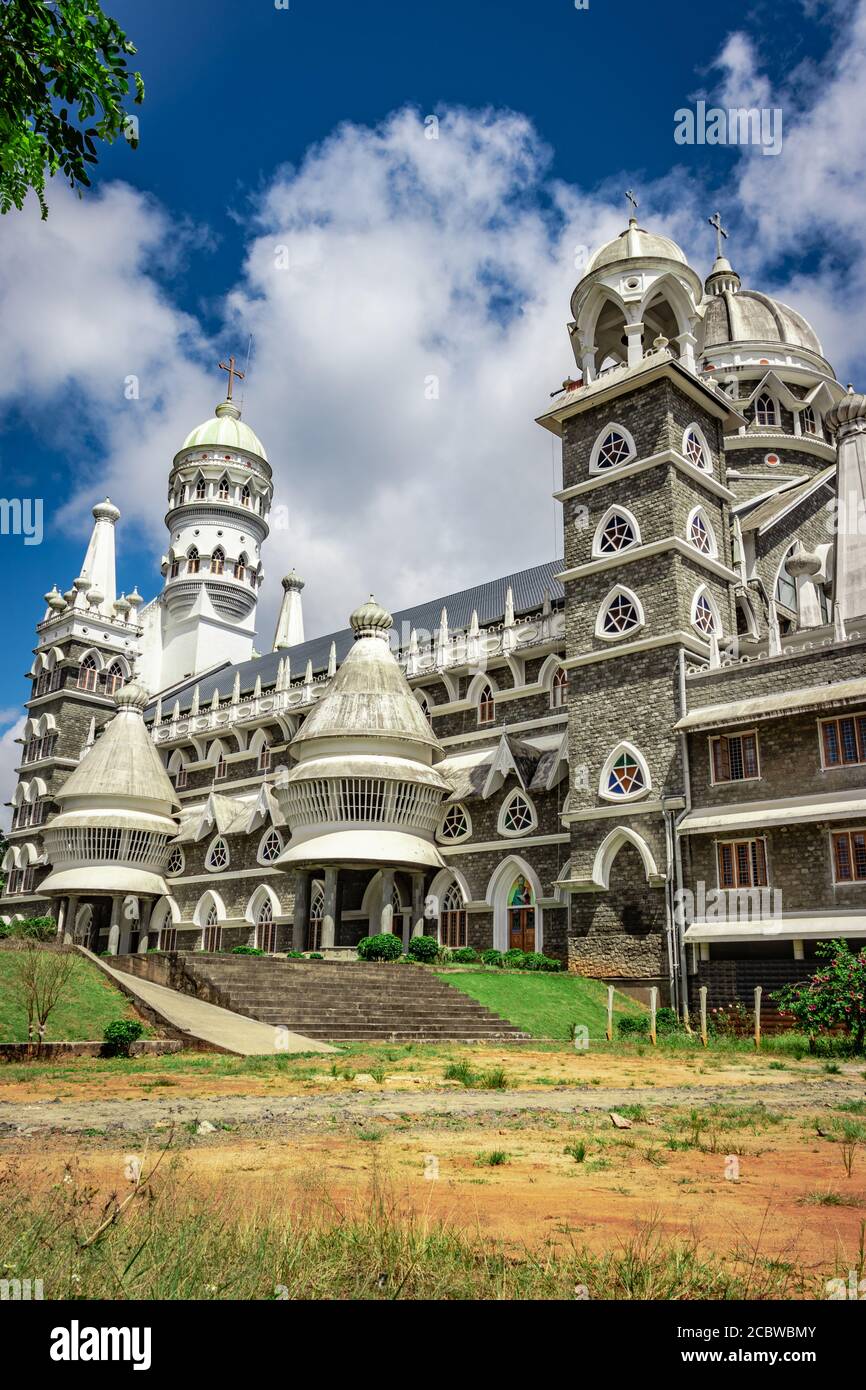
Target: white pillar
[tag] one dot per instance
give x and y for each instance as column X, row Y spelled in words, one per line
column 116, row 919
column 301, row 916
column 329, row 908
column 386, row 910
column 418, row 905
column 69, row 919
column 144, row 926
column 634, row 337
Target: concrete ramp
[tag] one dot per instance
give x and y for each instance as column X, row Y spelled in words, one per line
column 197, row 1021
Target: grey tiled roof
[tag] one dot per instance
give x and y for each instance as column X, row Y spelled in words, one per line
column 488, row 600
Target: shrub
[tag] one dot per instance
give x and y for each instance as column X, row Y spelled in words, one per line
column 247, row 951
column 513, row 959
column 315, row 955
column 633, row 1026
column 385, row 946
column 464, row 955
column 30, row 929
column 491, row 957
column 424, row 948
column 295, row 955
column 667, row 1021
column 534, row 960
column 834, row 996
column 120, row 1035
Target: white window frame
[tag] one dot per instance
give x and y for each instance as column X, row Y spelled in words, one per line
column 597, row 552
column 713, row 551
column 512, row 796
column 217, row 868
column 605, row 604
column 260, row 859
column 613, row 797
column 694, row 428
column 175, row 873
column 454, row 839
column 702, row 589
column 597, row 446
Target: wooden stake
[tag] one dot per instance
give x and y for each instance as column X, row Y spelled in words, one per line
column 703, row 995
column 610, row 1013
column 758, row 993
column 654, row 1000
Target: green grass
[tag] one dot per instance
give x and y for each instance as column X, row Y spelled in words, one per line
column 546, row 1006
column 89, row 1003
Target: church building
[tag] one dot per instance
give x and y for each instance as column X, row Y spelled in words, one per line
column 646, row 758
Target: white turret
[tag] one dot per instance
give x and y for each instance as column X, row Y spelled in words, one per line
column 290, row 622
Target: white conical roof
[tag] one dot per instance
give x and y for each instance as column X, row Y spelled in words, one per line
column 123, row 765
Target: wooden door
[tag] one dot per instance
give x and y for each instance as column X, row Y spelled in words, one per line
column 521, row 929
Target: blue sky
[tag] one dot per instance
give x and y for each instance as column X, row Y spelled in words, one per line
column 305, row 127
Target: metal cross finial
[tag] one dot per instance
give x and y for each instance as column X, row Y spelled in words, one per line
column 233, row 372
column 716, row 221
column 629, row 193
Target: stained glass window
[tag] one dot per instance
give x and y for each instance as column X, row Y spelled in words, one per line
column 618, row 534
column 520, row 894
column 695, row 451
column 705, row 616
column 614, row 450
column 621, row 615
column 517, row 817
column 699, row 534
column 625, row 777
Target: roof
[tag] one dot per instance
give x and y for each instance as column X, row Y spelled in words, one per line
column 487, row 600
column 124, row 763
column 831, row 695
column 225, row 427
column 369, row 846
column 772, row 509
column 796, row 928
column 745, row 316
column 636, row 243
column 754, row 815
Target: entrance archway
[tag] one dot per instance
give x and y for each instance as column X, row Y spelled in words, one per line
column 521, row 915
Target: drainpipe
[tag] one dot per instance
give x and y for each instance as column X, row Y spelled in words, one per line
column 678, row 854
column 673, row 972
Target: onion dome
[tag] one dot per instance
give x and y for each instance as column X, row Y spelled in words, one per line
column 371, row 620
column 848, row 413
column 636, row 243
column 292, row 581
column 106, row 511
column 55, row 600
column 226, row 429
column 117, row 811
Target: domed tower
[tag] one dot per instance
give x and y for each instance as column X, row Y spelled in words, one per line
column 635, row 289
column 220, row 492
column 108, row 846
column 364, row 792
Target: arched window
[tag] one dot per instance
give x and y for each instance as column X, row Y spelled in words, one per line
column 695, row 448
column 705, row 614
column 521, row 915
column 217, row 856
column 700, row 532
column 218, row 561
column 114, row 678
column 246, row 496
column 174, row 568
column 223, row 490
column 266, row 928
column 747, row 623
column 241, row 567
column 271, row 847
column 766, row 412
column 456, row 824
column 212, row 933
column 425, row 706
column 517, row 816
column 192, row 561
column 613, row 447
column 486, row 706
column 176, row 861
column 265, row 758
column 220, row 769
column 559, row 689
column 452, row 918
column 625, row 775
column 620, row 613
column 786, row 585
column 808, row 422
column 618, row 530
column 200, row 490
column 88, row 673
column 317, row 912
column 181, row 777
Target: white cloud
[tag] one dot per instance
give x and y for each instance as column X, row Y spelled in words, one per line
column 10, row 757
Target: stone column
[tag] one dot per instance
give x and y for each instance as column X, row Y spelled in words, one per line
column 301, row 917
column 69, row 919
column 386, row 910
column 61, row 917
column 418, row 923
column 329, row 907
column 116, row 922
column 634, row 340
column 144, row 926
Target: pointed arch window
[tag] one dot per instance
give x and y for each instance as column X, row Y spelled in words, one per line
column 217, row 856
column 617, row 531
column 223, row 491
column 621, row 613
column 517, row 816
column 220, row 771
column 695, row 448
column 559, row 689
column 246, row 496
column 174, row 568
column 786, row 585
column 265, row 758
column 613, row 447
column 808, row 421
column 314, row 923
column 700, row 532
column 452, row 918
column 486, row 706
column 625, row 776
column 241, row 567
column 266, row 928
column 456, row 824
column 181, row 777
column 88, row 673
column 424, row 702
column 176, row 862
column 200, row 490
column 766, row 410
column 705, row 614
column 212, row 934
column 192, row 561
column 218, row 561
column 271, row 847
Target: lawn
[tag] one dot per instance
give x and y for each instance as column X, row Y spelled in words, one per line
column 89, row 1003
column 546, row 1006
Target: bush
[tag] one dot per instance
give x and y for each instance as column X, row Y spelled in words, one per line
column 534, row 960
column 385, row 946
column 633, row 1026
column 30, row 929
column 315, row 955
column 835, row 996
column 667, row 1021
column 491, row 957
column 295, row 955
column 247, row 951
column 513, row 959
column 120, row 1035
column 464, row 955
column 424, row 948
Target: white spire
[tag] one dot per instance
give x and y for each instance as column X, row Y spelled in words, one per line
column 332, row 660
column 443, row 641
column 290, row 622
column 99, row 564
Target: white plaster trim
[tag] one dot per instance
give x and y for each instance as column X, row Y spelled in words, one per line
column 667, row 639
column 629, row 470
column 487, row 845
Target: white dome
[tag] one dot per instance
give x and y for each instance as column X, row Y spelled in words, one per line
column 635, row 243
column 226, row 428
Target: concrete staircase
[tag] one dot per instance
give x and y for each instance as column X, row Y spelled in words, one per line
column 349, row 1001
